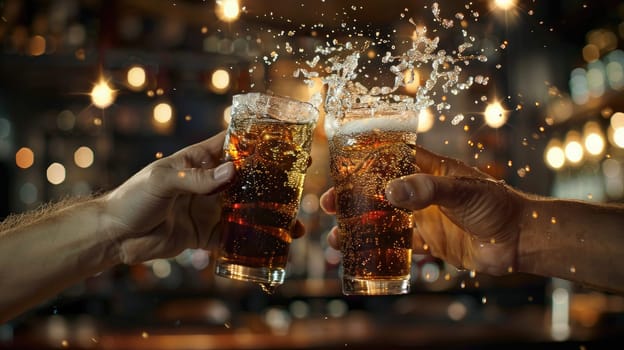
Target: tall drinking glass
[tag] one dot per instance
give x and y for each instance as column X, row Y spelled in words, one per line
column 368, row 147
column 269, row 140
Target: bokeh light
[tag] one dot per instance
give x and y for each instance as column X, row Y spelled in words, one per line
column 554, row 155
column 594, row 143
column 593, row 139
column 136, row 77
column 310, row 203
column 24, row 158
column 617, row 120
column 457, row 311
column 299, row 309
column 55, row 173
column 504, row 4
column 591, row 53
column 83, row 157
column 102, row 95
column 337, row 308
column 618, row 137
column 28, row 193
column 495, row 115
column 596, row 79
column 161, row 268
column 579, row 88
column 573, row 148
column 37, row 45
column 66, row 120
column 228, row 10
column 163, row 113
column 615, row 69
column 200, row 259
column 430, row 272
column 220, row 80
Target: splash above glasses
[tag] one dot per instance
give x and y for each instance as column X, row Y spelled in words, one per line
column 338, row 66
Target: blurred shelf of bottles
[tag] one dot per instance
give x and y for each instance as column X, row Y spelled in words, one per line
column 586, row 145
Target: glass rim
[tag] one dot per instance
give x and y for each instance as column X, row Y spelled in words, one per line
column 394, row 102
column 276, row 106
column 379, row 110
column 271, row 96
column 388, row 115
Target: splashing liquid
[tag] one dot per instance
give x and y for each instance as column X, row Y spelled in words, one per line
column 338, row 67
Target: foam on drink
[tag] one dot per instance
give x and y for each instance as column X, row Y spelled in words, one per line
column 385, row 117
column 363, row 125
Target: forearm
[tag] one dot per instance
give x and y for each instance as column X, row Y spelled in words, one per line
column 49, row 254
column 574, row 240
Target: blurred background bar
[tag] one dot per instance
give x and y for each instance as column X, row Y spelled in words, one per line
column 93, row 90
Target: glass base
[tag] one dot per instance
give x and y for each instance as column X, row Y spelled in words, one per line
column 358, row 286
column 263, row 275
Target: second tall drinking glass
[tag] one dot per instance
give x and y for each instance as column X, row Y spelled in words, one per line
column 370, row 146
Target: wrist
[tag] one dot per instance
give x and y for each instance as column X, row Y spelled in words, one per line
column 548, row 244
column 535, row 232
column 107, row 233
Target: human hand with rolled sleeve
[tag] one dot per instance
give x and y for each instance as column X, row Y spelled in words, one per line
column 473, row 221
column 166, row 207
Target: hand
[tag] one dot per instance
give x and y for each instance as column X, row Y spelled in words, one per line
column 171, row 204
column 461, row 214
column 168, row 206
column 156, row 212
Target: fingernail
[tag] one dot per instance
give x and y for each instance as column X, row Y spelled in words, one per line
column 224, row 171
column 399, row 191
